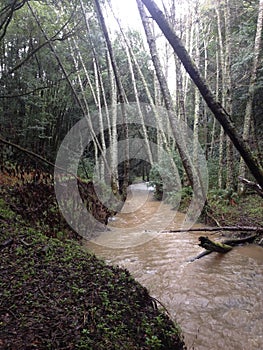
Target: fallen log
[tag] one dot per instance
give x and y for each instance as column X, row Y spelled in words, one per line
column 220, row 228
column 218, row 247
column 238, row 241
column 250, row 184
column 221, row 247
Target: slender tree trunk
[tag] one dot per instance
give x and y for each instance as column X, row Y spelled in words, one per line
column 205, row 44
column 161, row 137
column 217, row 99
column 189, row 46
column 81, row 103
column 111, row 116
column 196, row 94
column 114, row 135
column 192, row 173
column 121, row 92
column 153, row 49
column 222, row 70
column 101, row 126
column 97, row 145
column 144, row 130
column 217, row 109
column 251, row 90
column 228, row 92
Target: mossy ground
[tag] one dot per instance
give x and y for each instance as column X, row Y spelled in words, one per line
column 55, row 295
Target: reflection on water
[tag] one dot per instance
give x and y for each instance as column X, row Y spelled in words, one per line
column 217, row 300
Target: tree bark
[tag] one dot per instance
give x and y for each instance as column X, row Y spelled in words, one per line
column 197, row 99
column 221, row 72
column 192, row 173
column 219, row 112
column 251, row 90
column 228, row 93
column 125, row 180
column 144, row 130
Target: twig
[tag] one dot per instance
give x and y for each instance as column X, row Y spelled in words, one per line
column 7, row 243
column 155, row 301
column 25, row 243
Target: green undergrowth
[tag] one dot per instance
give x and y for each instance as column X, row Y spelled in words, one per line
column 229, row 209
column 55, row 295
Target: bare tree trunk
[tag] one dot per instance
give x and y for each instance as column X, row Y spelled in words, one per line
column 189, row 46
column 222, row 70
column 197, row 93
column 251, row 90
column 82, row 103
column 125, row 180
column 179, row 137
column 113, row 133
column 205, row 44
column 217, row 99
column 228, row 92
column 101, row 126
column 217, row 109
column 85, row 107
column 111, row 118
column 144, row 130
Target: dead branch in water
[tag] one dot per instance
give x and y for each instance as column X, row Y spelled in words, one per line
column 222, row 228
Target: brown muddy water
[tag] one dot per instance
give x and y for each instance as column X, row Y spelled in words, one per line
column 217, row 300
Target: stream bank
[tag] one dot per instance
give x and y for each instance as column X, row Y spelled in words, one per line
column 55, row 295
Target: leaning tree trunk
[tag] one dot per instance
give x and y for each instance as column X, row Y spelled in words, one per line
column 251, row 89
column 219, row 112
column 192, row 174
column 211, row 149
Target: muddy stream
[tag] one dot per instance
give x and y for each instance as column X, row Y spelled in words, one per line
column 217, row 300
